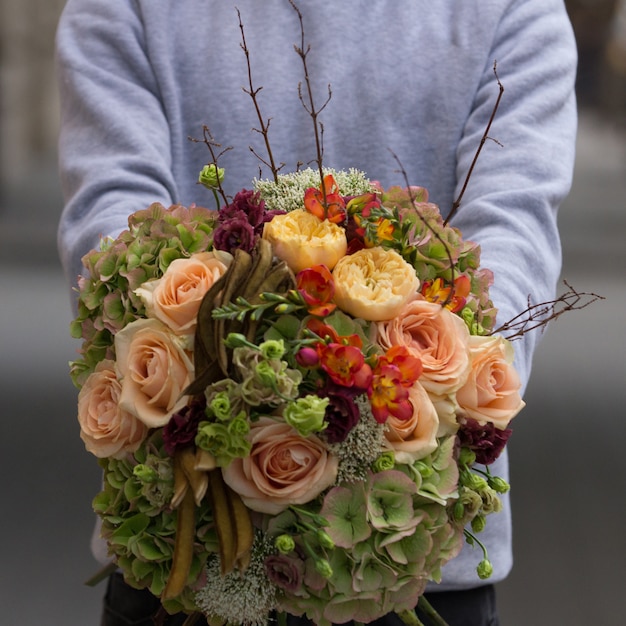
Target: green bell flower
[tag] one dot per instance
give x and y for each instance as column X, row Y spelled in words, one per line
column 323, row 568
column 285, row 544
column 211, row 176
column 386, row 461
column 306, row 414
column 272, row 349
column 484, row 569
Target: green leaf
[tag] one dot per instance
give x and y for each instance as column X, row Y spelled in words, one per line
column 286, row 327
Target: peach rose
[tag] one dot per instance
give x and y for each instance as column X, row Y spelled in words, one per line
column 302, row 240
column 283, row 468
column 441, row 340
column 105, row 428
column 374, row 284
column 416, row 437
column 175, row 298
column 492, row 391
column 154, row 370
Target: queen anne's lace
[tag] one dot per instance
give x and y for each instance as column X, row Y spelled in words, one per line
column 240, row 598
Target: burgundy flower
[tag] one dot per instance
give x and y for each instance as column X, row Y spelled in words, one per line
column 485, row 440
column 285, row 571
column 231, row 212
column 342, row 413
column 181, row 430
column 250, row 203
column 354, row 236
column 234, row 234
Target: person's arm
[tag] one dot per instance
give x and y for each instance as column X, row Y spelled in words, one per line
column 114, row 146
column 511, row 202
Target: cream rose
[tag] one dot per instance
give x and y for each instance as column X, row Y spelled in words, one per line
column 492, row 391
column 154, row 370
column 283, row 468
column 374, row 284
column 302, row 240
column 175, row 298
column 105, row 428
column 414, row 438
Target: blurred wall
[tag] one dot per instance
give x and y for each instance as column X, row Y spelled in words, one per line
column 600, row 28
column 28, row 94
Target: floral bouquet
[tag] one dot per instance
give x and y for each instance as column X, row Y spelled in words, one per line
column 295, row 399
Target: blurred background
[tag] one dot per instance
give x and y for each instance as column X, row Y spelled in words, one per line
column 569, row 482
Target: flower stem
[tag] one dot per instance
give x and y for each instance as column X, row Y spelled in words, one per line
column 429, row 610
column 101, row 574
column 217, row 199
column 410, row 618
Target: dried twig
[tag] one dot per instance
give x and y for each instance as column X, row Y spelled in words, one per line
column 457, row 202
column 539, row 315
column 309, row 104
column 264, row 124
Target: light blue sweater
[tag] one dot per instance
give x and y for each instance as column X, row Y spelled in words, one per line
column 138, row 77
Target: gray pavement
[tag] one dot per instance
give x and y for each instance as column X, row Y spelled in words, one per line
column 567, row 450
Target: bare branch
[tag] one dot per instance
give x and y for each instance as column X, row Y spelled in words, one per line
column 265, row 124
column 308, row 103
column 539, row 315
column 457, row 202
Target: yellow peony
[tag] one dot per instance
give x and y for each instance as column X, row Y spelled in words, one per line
column 302, row 240
column 374, row 284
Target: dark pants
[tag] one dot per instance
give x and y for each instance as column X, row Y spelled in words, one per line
column 125, row 606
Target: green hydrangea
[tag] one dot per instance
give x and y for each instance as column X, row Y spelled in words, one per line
column 390, row 542
column 139, row 524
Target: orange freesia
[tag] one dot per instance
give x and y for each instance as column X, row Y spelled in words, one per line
column 315, row 285
column 329, row 335
column 325, row 332
column 360, row 208
column 438, row 292
column 326, row 203
column 345, row 365
column 394, row 374
column 409, row 365
column 388, row 396
column 384, row 230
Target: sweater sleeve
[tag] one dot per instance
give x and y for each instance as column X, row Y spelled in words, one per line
column 114, row 145
column 510, row 206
